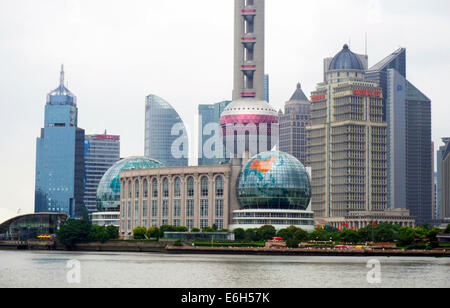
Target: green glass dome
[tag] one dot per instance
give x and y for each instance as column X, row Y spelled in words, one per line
column 274, row 180
column 108, row 191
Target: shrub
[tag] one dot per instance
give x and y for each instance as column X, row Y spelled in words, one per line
column 139, row 233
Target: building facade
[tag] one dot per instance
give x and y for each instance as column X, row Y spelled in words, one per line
column 194, row 197
column 166, row 137
column 446, row 183
column 407, row 112
column 439, row 179
column 293, row 123
column 347, row 141
column 100, row 153
column 60, row 156
column 211, row 151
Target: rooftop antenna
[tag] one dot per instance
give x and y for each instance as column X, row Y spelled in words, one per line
column 366, row 44
column 61, row 80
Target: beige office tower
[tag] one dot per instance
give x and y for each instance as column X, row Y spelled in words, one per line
column 347, row 141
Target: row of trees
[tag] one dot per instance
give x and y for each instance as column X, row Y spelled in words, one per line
column 403, row 236
column 82, row 231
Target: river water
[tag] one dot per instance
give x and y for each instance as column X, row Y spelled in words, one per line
column 100, row 269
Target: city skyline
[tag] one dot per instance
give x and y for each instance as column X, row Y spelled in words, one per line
column 99, row 86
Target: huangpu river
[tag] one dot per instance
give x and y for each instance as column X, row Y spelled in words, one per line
column 42, row 269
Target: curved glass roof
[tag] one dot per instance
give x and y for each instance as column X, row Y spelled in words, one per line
column 108, row 191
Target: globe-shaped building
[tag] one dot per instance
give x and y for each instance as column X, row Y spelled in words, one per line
column 274, row 180
column 108, row 191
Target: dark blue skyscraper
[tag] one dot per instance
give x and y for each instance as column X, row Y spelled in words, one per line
column 60, row 156
column 407, row 112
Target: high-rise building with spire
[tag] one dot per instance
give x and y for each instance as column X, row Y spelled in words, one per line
column 293, row 123
column 249, row 124
column 60, row 156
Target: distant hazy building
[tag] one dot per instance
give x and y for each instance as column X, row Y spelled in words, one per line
column 166, row 137
column 445, row 173
column 439, row 156
column 293, row 123
column 60, row 156
column 100, row 153
column 407, row 112
column 209, row 118
column 347, row 141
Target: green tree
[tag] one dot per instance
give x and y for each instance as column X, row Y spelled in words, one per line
column 195, row 230
column 239, row 234
column 252, row 235
column 98, row 234
column 292, row 243
column 139, row 233
column 405, row 236
column 181, row 229
column 113, row 232
column 301, row 235
column 267, row 232
column 166, row 228
column 349, row 236
column 73, row 232
column 153, row 232
column 447, row 230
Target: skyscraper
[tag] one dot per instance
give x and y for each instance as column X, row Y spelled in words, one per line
column 293, row 123
column 347, row 141
column 407, row 112
column 249, row 124
column 267, row 88
column 446, row 182
column 209, row 134
column 60, row 156
column 101, row 152
column 439, row 179
column 166, row 137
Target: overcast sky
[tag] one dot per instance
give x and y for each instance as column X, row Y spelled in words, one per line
column 117, row 52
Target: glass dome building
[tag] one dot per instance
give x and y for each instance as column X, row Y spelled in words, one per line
column 274, row 180
column 108, row 191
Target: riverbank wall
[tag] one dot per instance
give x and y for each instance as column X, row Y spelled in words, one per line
column 167, row 247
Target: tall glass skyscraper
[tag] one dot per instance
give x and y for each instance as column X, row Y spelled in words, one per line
column 100, row 152
column 439, row 179
column 166, row 137
column 60, row 156
column 407, row 112
column 209, row 118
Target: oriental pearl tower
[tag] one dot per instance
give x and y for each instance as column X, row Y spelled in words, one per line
column 249, row 125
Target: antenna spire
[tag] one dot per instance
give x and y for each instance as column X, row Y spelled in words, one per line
column 61, row 80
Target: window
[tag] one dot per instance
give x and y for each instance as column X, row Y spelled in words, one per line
column 219, row 224
column 176, row 222
column 177, row 188
column 189, row 208
column 136, row 189
column 190, row 187
column 155, row 188
column 166, row 188
column 189, row 224
column 154, row 208
column 165, row 208
column 145, row 208
column 145, row 189
column 176, row 208
column 130, row 190
column 204, row 187
column 219, row 186
column 136, row 210
column 204, row 223
column 219, row 208
column 204, row 208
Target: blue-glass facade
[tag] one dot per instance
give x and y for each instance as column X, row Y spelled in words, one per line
column 209, row 118
column 60, row 157
column 100, row 153
column 166, row 137
column 274, row 180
